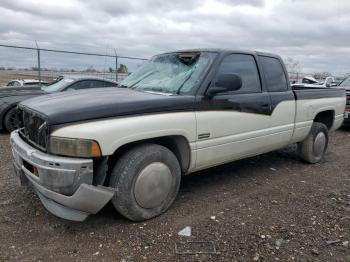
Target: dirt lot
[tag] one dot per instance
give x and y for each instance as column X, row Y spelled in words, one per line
column 266, row 208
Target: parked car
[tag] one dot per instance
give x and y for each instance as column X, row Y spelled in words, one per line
column 10, row 98
column 179, row 113
column 310, row 82
column 346, row 85
column 26, row 83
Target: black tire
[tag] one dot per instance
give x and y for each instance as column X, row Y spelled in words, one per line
column 10, row 120
column 311, row 151
column 129, row 173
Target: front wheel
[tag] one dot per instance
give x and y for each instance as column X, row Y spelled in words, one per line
column 147, row 180
column 314, row 146
column 10, row 120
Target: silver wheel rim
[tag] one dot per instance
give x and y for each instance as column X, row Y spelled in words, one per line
column 153, row 185
column 319, row 144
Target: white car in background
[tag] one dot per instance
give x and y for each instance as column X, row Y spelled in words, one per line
column 24, row 83
column 312, row 82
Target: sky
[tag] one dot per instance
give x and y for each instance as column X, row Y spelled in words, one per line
column 314, row 33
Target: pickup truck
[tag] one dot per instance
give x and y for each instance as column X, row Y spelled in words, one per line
column 180, row 112
column 346, row 85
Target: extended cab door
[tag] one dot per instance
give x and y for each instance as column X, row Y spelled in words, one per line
column 235, row 124
column 282, row 115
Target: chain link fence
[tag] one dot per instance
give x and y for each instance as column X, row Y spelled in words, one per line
column 45, row 65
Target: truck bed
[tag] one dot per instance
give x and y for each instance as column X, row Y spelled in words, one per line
column 302, row 92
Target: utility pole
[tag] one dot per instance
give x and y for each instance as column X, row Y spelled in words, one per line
column 116, row 65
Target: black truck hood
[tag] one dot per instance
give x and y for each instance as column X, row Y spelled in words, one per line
column 73, row 106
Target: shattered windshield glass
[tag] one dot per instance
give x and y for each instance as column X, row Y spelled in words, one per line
column 173, row 73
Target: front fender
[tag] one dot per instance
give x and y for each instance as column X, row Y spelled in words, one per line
column 115, row 132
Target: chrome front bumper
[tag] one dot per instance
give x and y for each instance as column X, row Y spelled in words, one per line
column 63, row 184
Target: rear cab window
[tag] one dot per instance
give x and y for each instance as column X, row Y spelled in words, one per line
column 275, row 77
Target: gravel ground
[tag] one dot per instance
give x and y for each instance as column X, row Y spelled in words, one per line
column 267, row 208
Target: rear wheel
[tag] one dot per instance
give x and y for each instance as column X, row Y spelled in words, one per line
column 10, row 120
column 314, row 146
column 147, row 180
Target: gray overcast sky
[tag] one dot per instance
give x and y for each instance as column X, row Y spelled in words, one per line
column 315, row 33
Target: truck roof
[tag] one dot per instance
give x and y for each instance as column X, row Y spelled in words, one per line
column 223, row 50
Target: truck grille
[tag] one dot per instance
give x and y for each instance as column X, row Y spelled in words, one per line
column 33, row 128
column 348, row 98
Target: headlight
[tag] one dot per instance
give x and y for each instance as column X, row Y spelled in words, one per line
column 74, row 147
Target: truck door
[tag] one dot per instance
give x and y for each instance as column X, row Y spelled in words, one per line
column 282, row 116
column 235, row 124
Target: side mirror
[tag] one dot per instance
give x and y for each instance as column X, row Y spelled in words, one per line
column 225, row 83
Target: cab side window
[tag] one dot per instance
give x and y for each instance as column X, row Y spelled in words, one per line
column 275, row 77
column 245, row 67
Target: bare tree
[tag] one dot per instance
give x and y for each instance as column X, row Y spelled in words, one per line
column 321, row 75
column 292, row 65
column 293, row 69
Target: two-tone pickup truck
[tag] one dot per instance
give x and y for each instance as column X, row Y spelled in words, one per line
column 180, row 112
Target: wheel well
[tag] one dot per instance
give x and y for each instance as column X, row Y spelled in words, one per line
column 325, row 117
column 177, row 144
